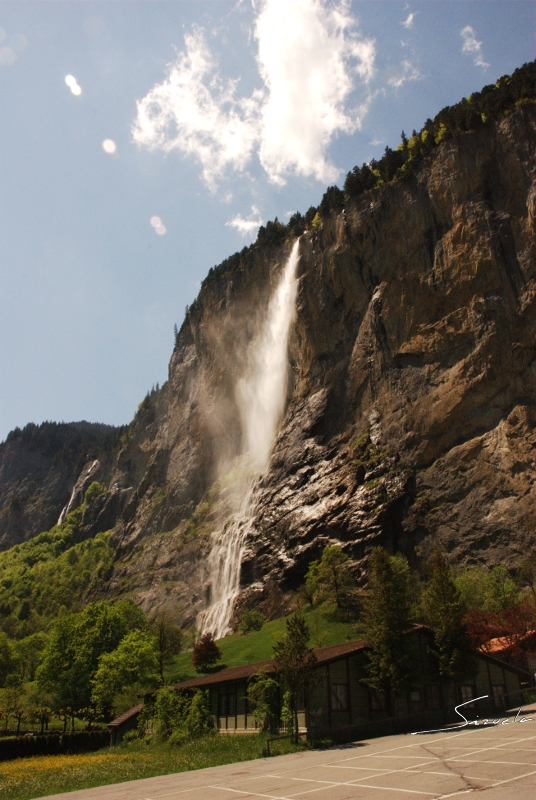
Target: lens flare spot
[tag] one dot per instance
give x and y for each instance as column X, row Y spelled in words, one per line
column 7, row 56
column 155, row 221
column 19, row 42
column 160, row 229
column 70, row 80
column 76, row 90
column 109, row 146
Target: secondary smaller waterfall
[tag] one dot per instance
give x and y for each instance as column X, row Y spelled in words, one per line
column 261, row 396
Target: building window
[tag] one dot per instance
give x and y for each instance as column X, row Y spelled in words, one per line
column 415, row 701
column 227, row 704
column 231, row 705
column 434, row 696
column 377, row 701
column 339, row 697
column 466, row 693
column 498, row 692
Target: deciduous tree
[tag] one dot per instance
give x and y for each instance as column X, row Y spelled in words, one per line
column 134, row 661
column 169, row 640
column 205, row 653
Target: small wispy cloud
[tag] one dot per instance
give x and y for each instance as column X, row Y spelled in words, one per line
column 471, row 46
column 246, row 226
column 408, row 72
column 408, row 22
column 310, row 57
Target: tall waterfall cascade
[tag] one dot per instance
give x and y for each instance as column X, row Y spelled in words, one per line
column 260, row 395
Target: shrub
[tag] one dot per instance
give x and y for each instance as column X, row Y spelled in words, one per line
column 251, row 621
column 93, row 491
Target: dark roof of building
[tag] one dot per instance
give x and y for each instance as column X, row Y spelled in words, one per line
column 127, row 715
column 323, row 656
column 224, row 675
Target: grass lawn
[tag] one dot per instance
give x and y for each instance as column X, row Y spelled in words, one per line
column 27, row 778
column 241, row 649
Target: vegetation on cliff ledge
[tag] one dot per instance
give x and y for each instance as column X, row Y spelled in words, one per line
column 476, row 111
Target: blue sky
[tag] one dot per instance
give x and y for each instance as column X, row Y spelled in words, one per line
column 215, row 116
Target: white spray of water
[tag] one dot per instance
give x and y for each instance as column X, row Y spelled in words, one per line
column 261, row 400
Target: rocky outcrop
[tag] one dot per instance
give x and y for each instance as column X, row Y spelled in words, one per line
column 410, row 418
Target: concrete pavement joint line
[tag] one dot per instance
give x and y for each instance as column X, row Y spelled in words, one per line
column 361, row 786
column 209, row 786
column 517, row 778
column 505, row 744
column 389, row 789
column 407, row 770
column 509, row 763
column 449, row 737
column 498, row 783
column 376, row 769
column 380, row 756
column 257, row 794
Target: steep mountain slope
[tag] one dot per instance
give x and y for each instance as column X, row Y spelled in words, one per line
column 39, row 467
column 410, row 416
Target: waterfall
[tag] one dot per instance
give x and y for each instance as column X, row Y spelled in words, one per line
column 260, row 394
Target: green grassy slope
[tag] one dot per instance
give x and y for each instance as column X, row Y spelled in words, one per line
column 240, row 649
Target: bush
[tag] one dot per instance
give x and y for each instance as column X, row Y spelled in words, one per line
column 93, row 491
column 199, row 721
column 251, row 621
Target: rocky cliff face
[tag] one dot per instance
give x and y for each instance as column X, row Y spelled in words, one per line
column 410, row 417
column 42, row 472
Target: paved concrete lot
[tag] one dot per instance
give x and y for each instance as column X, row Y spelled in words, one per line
column 499, row 761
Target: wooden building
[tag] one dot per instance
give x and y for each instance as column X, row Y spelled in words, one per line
column 340, row 702
column 341, row 707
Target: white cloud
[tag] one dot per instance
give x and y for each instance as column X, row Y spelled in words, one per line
column 246, row 226
column 310, row 56
column 409, row 72
column 472, row 47
column 408, row 22
column 205, row 121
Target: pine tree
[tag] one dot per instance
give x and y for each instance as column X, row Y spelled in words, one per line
column 443, row 612
column 385, row 620
column 294, row 662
